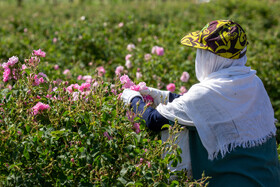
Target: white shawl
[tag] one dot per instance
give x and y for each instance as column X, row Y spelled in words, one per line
column 229, row 107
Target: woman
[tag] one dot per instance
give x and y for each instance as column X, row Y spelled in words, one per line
column 228, row 114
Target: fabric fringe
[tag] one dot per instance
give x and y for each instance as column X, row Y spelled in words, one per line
column 223, row 150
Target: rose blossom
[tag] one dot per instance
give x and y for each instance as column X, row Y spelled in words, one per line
column 6, row 75
column 171, row 87
column 130, row 47
column 138, row 75
column 39, row 52
column 128, row 64
column 120, row 24
column 54, row 40
column 71, row 87
column 84, row 87
column 79, row 77
column 12, row 60
column 136, row 127
column 67, row 71
column 128, row 56
column 23, row 67
column 39, row 107
column 56, row 67
column 5, row 65
column 87, row 78
column 42, row 74
column 139, row 87
column 119, row 70
column 183, row 90
column 185, row 76
column 158, row 50
column 95, row 84
column 148, row 57
column 101, row 71
column 126, row 81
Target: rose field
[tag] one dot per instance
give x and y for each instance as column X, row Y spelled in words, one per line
column 64, row 64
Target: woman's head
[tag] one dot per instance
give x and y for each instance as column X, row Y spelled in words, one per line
column 207, row 63
column 220, row 44
column 224, row 38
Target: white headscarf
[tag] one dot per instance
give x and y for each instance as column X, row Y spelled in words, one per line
column 207, row 63
column 229, row 107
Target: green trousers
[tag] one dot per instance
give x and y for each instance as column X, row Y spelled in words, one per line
column 248, row 167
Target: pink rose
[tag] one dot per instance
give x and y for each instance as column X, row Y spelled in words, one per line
column 128, row 56
column 42, row 74
column 138, row 75
column 149, row 164
column 67, row 71
column 12, row 60
column 171, row 87
column 101, row 71
column 128, row 64
column 56, row 67
column 84, row 87
column 23, row 67
column 183, row 90
column 54, row 40
column 6, row 75
column 136, row 127
column 79, row 77
column 39, row 107
column 41, row 80
column 120, row 24
column 185, row 76
column 148, row 57
column 126, row 81
column 39, row 52
column 95, row 84
column 87, row 78
column 158, row 50
column 5, row 65
column 119, row 70
column 148, row 98
column 130, row 47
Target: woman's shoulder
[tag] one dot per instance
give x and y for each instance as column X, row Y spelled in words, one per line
column 198, row 91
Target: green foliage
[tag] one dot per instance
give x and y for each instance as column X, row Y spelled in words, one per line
column 81, row 141
column 65, row 145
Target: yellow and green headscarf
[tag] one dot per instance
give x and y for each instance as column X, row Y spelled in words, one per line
column 221, row 37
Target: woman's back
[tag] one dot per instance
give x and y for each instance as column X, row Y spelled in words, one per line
column 255, row 166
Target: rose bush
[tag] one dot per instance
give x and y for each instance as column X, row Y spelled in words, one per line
column 53, row 133
column 79, row 133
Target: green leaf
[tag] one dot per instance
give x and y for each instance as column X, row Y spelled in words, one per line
column 26, row 153
column 123, row 171
column 165, row 126
column 122, row 180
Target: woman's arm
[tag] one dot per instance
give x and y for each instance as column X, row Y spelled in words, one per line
column 154, row 120
column 173, row 96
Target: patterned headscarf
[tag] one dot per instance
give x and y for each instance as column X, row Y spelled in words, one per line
column 222, row 37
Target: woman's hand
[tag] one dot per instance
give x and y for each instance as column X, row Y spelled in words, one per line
column 128, row 95
column 158, row 95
